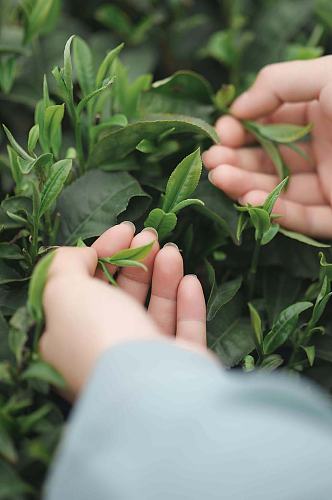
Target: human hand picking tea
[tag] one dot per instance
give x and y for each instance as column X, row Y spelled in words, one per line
column 85, row 316
column 297, row 92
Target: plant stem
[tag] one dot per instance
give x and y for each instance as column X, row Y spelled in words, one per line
column 253, row 268
column 79, row 145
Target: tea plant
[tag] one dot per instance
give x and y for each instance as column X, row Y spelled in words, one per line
column 107, row 144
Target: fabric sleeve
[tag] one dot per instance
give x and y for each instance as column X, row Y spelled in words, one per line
column 157, row 422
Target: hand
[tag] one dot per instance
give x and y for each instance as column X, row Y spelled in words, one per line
column 293, row 92
column 85, row 316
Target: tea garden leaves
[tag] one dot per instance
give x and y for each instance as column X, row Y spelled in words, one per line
column 93, row 203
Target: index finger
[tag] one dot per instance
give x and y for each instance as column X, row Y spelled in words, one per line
column 276, row 84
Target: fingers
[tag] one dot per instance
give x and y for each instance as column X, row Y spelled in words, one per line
column 294, row 81
column 255, row 159
column 112, row 241
column 191, row 311
column 136, row 281
column 73, row 261
column 167, row 275
column 315, row 221
column 236, row 183
column 232, row 133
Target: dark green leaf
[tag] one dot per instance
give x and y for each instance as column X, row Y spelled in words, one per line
column 220, row 296
column 43, row 371
column 118, row 144
column 284, row 326
column 93, row 203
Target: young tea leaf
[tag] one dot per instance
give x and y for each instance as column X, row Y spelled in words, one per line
column 310, row 351
column 83, row 63
column 17, row 148
column 303, row 239
column 162, row 222
column 84, row 102
column 54, row 185
column 33, row 139
column 326, row 266
column 183, row 181
column 283, row 133
column 270, row 234
column 284, row 326
column 274, row 195
column 104, row 70
column 138, row 253
column 37, row 285
column 260, row 220
column 256, row 324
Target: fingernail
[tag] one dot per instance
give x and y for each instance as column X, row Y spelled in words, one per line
column 130, row 224
column 170, row 244
column 152, row 230
column 192, row 276
column 211, row 176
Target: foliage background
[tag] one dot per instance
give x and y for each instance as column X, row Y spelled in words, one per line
column 227, row 42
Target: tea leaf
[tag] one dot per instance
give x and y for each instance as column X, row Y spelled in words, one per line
column 39, row 163
column 10, row 251
column 284, row 326
column 256, row 324
column 187, row 203
column 310, row 351
column 16, row 147
column 282, row 133
column 84, row 102
column 7, row 448
column 162, row 222
column 327, row 267
column 54, row 185
column 220, row 296
column 104, row 70
column 83, row 63
column 37, row 285
column 138, row 253
column 225, row 96
column 272, row 362
column 37, row 18
column 68, row 68
column 52, row 123
column 92, row 204
column 274, row 195
column 260, row 220
column 33, row 138
column 120, row 143
column 270, row 234
column 43, row 371
column 183, row 181
column 303, row 239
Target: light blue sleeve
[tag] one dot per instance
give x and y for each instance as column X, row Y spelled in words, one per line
column 160, row 423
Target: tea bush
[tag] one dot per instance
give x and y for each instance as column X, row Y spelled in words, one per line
column 106, row 132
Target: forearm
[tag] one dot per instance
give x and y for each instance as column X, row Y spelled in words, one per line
column 157, row 421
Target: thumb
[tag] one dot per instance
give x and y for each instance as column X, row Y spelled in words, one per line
column 78, row 261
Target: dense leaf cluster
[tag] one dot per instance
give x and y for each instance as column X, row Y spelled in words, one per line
column 97, row 139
